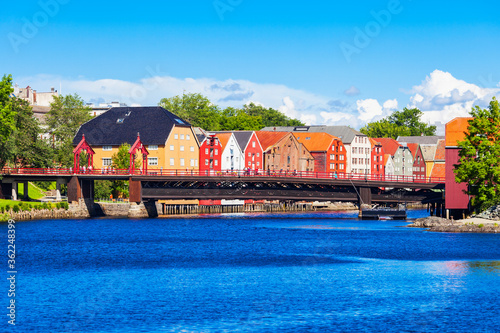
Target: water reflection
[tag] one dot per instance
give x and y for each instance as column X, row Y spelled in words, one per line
column 461, row 268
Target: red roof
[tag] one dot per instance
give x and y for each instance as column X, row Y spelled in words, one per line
column 413, row 148
column 223, row 138
column 390, row 145
column 440, row 150
column 269, row 138
column 315, row 141
column 438, row 170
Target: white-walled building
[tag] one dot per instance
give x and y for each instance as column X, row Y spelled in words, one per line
column 232, row 159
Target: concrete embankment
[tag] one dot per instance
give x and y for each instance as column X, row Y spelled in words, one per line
column 472, row 225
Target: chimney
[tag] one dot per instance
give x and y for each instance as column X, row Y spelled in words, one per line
column 52, row 89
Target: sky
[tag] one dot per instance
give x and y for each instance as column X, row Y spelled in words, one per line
column 323, row 62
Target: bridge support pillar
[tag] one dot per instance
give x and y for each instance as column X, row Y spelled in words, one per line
column 25, row 190
column 14, row 195
column 138, row 207
column 58, row 190
column 81, row 197
column 365, row 196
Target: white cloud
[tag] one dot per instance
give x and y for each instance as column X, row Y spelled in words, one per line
column 442, row 97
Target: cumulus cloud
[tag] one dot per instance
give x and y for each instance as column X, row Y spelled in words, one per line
column 440, row 96
column 443, row 97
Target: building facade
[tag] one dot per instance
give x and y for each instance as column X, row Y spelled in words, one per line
column 327, row 150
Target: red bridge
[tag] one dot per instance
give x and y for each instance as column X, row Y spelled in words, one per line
column 274, row 185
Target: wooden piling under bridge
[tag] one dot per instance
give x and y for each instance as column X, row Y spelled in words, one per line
column 192, row 209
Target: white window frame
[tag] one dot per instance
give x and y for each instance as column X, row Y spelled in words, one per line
column 107, row 148
column 153, row 147
column 153, row 161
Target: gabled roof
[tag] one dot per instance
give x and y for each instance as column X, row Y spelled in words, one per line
column 390, row 145
column 440, row 151
column 414, row 149
column 268, row 139
column 455, row 130
column 387, row 157
column 242, row 137
column 121, row 125
column 344, row 133
column 374, row 142
column 224, row 138
column 315, row 141
column 428, row 152
column 420, row 139
column 438, row 170
column 200, row 138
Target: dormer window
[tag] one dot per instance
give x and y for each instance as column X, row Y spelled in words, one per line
column 120, row 120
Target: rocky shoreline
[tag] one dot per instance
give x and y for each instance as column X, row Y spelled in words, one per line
column 472, row 225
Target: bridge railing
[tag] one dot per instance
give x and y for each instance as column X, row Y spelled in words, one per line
column 224, row 173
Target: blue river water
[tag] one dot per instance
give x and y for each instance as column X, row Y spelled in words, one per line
column 310, row 272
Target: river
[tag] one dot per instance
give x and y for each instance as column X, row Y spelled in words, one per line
column 308, row 272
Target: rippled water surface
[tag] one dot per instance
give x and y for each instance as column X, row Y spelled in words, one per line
column 315, row 272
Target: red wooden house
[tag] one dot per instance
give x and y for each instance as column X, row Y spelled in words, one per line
column 210, row 160
column 328, row 151
column 419, row 167
column 377, row 157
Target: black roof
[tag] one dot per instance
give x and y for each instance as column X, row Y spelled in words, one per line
column 120, row 125
column 241, row 137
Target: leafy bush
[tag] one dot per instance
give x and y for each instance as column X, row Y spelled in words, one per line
column 7, row 207
column 2, row 209
column 480, row 225
column 65, row 205
column 16, row 208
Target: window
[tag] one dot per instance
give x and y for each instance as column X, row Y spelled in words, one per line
column 176, row 136
column 236, row 159
column 249, row 163
column 182, row 148
column 340, row 148
column 253, row 144
column 249, row 154
column 153, row 147
column 182, row 162
column 367, row 161
column 172, row 161
column 341, row 167
column 375, row 158
column 288, row 159
column 206, row 162
column 191, row 148
column 182, row 136
column 106, row 161
column 258, row 154
column 354, row 150
column 152, row 160
column 171, row 147
column 216, row 142
column 195, row 162
column 206, row 151
column 216, row 151
column 188, row 137
column 354, row 161
column 216, row 162
column 367, row 150
column 107, row 148
column 192, row 162
column 341, row 157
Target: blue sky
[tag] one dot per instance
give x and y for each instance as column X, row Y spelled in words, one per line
column 324, row 62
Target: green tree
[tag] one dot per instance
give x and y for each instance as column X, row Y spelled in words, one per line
column 399, row 123
column 29, row 149
column 66, row 115
column 238, row 120
column 480, row 157
column 195, row 109
column 270, row 116
column 7, row 119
